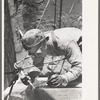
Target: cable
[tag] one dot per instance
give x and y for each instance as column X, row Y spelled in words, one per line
column 43, row 13
column 72, row 6
column 18, row 68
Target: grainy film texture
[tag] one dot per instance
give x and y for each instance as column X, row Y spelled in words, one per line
column 42, row 49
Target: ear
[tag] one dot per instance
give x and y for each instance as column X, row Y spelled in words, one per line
column 47, row 38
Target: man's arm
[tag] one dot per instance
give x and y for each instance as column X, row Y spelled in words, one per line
column 74, row 57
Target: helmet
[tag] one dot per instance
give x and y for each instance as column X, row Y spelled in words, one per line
column 32, row 38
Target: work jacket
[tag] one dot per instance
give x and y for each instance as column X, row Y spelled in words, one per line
column 61, row 55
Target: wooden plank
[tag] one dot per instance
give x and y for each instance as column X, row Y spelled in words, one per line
column 55, row 94
column 52, row 94
column 9, row 49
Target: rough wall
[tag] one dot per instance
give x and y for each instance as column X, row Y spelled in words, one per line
column 9, row 49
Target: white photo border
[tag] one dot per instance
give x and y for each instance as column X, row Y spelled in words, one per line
column 90, row 49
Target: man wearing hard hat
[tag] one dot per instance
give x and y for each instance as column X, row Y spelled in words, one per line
column 56, row 53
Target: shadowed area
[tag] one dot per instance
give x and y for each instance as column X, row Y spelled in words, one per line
column 55, row 94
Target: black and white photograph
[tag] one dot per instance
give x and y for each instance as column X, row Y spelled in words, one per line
column 43, row 47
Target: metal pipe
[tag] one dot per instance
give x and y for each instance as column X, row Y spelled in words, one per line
column 55, row 14
column 60, row 13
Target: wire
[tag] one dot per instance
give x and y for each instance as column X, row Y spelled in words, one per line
column 72, row 6
column 14, row 71
column 43, row 13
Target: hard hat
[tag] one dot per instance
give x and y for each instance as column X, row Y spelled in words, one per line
column 32, row 38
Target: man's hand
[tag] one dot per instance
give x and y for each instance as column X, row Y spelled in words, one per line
column 55, row 80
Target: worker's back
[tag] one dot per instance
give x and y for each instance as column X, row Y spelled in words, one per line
column 66, row 34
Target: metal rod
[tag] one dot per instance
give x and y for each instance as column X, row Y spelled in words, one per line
column 55, row 15
column 72, row 6
column 31, row 84
column 60, row 13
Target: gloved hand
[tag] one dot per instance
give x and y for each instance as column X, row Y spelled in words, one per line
column 25, row 80
column 56, row 81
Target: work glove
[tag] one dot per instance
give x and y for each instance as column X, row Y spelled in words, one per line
column 30, row 76
column 56, row 81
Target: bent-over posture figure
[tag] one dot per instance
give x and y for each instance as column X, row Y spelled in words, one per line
column 56, row 53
